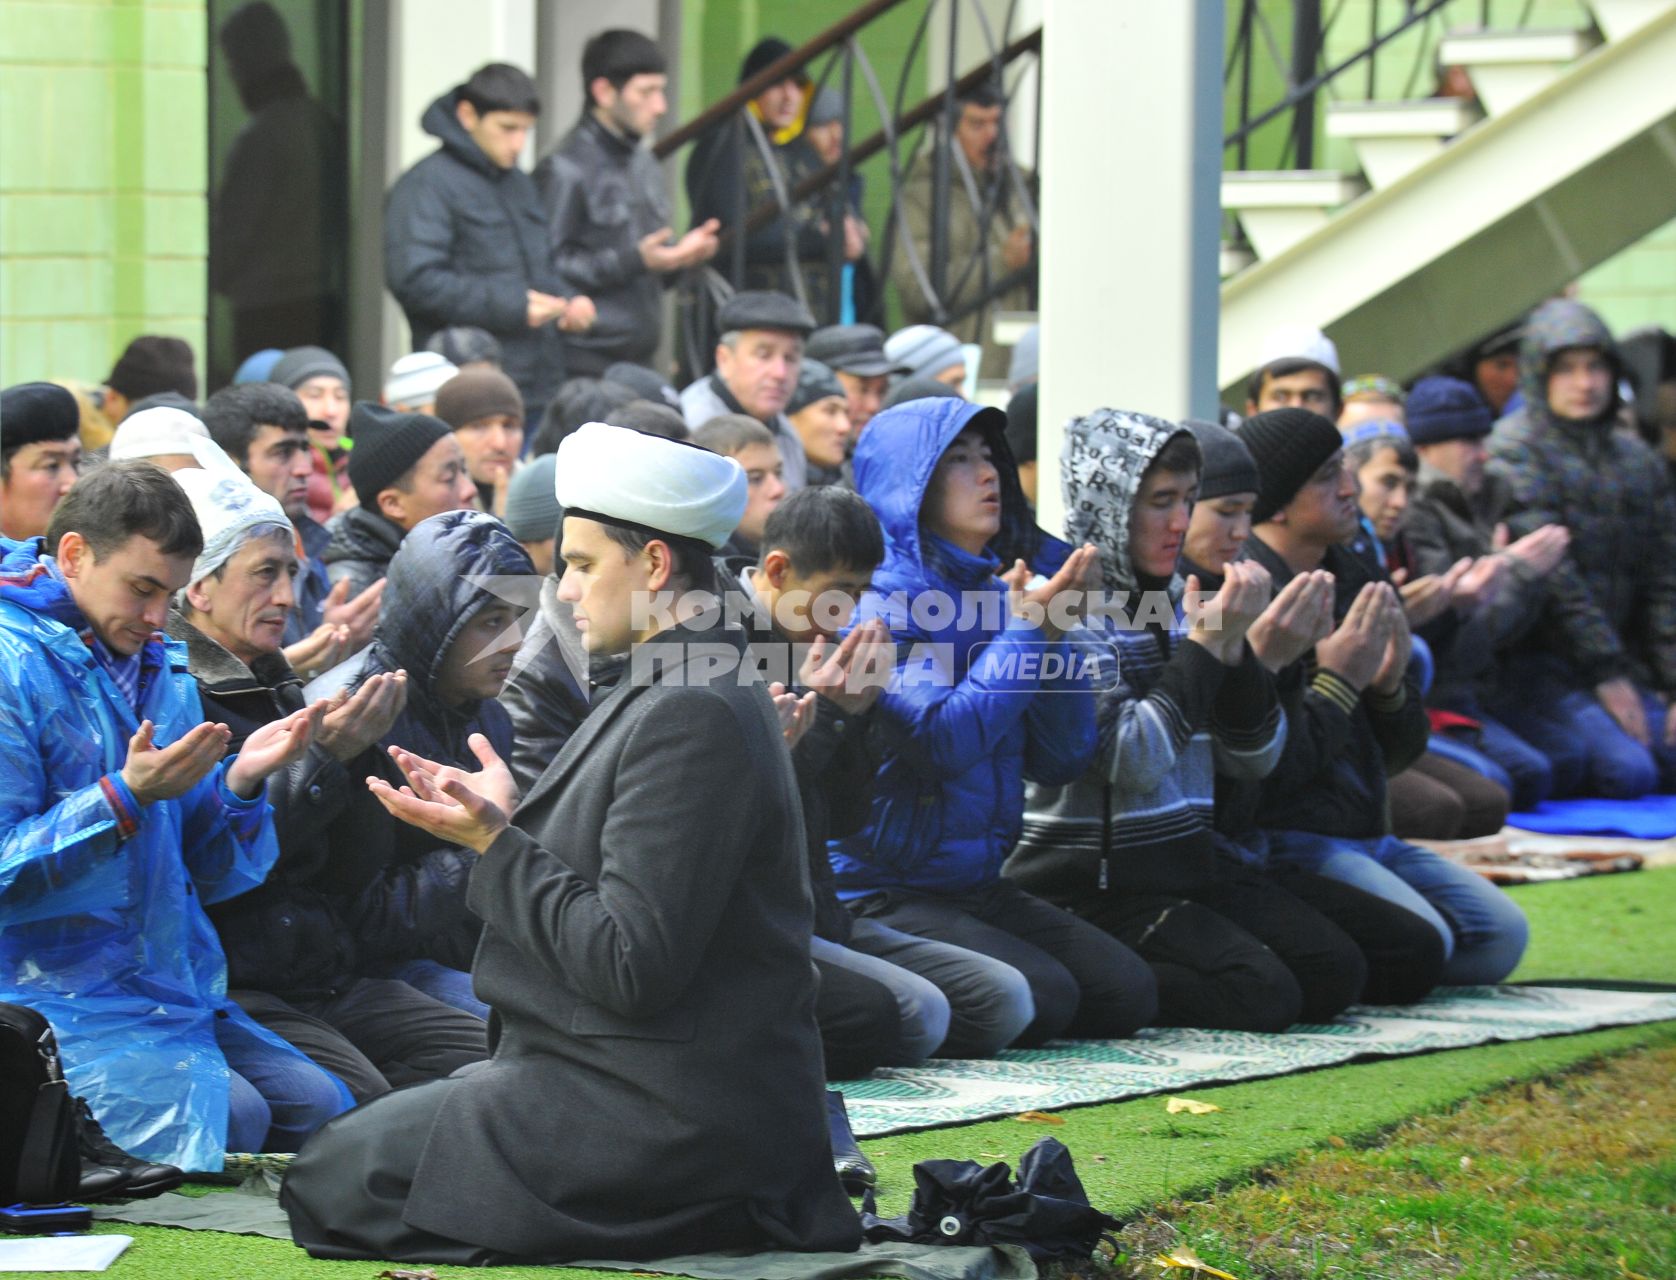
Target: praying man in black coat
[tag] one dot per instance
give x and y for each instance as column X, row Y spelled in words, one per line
column 655, row 1086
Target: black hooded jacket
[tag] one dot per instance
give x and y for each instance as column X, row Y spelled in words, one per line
column 464, row 242
column 408, row 893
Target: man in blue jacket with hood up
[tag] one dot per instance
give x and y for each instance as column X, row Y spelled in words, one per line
column 986, row 693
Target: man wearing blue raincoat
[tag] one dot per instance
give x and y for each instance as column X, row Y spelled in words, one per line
column 119, row 820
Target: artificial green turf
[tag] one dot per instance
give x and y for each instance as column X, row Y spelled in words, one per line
column 1132, row 1153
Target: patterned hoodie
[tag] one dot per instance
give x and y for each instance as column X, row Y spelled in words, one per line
column 1613, row 601
column 1171, row 716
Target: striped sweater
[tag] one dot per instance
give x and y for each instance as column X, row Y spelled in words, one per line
column 1171, row 717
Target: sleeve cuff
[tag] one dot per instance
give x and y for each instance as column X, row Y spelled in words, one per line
column 1336, row 690
column 1388, row 703
column 231, row 798
column 122, row 804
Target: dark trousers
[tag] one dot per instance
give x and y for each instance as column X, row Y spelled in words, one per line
column 1439, row 799
column 375, row 1035
column 859, row 1020
column 1266, row 949
column 1083, row 981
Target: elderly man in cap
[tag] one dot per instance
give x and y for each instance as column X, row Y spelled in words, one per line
column 757, row 360
column 164, row 437
column 405, row 467
column 646, row 923
column 40, row 453
column 291, row 952
column 856, row 354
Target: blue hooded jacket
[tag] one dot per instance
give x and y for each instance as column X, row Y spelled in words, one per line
column 102, row 924
column 980, row 700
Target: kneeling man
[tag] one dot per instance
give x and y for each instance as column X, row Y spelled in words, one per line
column 655, row 1086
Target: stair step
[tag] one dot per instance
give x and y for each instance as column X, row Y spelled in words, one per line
column 1392, row 139
column 1509, row 67
column 1007, row 327
column 1278, row 208
column 1618, row 18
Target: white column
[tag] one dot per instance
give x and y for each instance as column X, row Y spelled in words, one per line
column 1131, row 165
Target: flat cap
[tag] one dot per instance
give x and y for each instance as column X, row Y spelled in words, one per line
column 764, row 309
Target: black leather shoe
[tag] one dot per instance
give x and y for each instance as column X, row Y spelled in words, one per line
column 856, row 1173
column 136, row 1179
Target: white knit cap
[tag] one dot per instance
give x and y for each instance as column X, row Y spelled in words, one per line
column 415, row 379
column 151, row 433
column 664, row 486
column 1298, row 342
column 228, row 506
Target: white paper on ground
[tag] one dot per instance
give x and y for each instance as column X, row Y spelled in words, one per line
column 62, row 1253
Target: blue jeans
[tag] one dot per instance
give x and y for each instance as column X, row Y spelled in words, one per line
column 275, row 1098
column 1484, row 933
column 439, row 982
column 1591, row 755
column 917, row 971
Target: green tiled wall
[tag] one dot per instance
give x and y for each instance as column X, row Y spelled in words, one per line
column 102, row 170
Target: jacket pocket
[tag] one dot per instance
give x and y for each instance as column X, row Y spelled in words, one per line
column 596, row 1020
column 908, row 829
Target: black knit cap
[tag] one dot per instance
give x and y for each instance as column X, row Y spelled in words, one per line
column 36, row 412
column 1227, row 465
column 766, row 52
column 154, row 363
column 1288, row 446
column 388, row 444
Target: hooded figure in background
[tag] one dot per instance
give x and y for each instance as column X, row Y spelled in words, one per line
column 282, row 198
column 1604, row 659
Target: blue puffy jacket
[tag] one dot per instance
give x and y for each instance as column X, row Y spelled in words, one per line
column 102, row 924
column 959, row 737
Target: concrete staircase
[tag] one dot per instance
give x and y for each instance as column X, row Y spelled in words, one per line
column 1462, row 213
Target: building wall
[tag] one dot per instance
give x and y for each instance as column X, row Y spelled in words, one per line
column 103, row 221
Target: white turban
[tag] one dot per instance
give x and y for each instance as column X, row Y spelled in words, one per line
column 151, row 433
column 228, row 506
column 664, row 486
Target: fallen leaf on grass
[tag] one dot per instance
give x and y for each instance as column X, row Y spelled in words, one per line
column 993, row 1155
column 407, row 1275
column 1184, row 1259
column 1623, row 1267
column 1177, row 1105
column 1039, row 1117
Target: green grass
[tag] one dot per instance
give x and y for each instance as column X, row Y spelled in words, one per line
column 1572, row 1178
column 1132, row 1154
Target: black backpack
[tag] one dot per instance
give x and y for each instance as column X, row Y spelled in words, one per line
column 40, row 1161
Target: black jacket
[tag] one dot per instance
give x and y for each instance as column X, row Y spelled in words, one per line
column 360, row 548
column 547, row 694
column 464, row 241
column 1340, row 747
column 289, row 935
column 655, row 1086
column 408, row 891
column 602, row 193
column 833, row 761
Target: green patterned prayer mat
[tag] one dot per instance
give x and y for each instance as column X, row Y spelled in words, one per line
column 1159, row 1060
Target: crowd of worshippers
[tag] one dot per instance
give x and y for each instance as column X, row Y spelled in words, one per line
column 359, row 744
